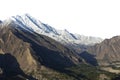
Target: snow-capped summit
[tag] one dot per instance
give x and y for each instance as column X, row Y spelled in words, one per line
column 31, row 24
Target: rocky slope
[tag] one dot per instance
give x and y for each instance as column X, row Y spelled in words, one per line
column 31, row 52
column 107, row 52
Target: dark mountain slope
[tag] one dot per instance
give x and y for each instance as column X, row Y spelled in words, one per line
column 10, row 68
column 48, row 51
column 32, row 50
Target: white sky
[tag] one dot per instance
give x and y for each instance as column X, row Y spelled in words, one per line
column 99, row 18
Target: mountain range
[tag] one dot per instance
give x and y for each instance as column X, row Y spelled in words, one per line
column 30, row 49
column 63, row 36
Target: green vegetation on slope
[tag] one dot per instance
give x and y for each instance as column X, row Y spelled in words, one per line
column 80, row 72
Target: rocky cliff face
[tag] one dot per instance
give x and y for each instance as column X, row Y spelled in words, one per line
column 108, row 51
column 10, row 43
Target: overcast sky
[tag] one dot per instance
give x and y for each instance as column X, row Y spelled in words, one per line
column 100, row 18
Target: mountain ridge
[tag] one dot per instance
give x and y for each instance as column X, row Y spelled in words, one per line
column 65, row 37
column 107, row 52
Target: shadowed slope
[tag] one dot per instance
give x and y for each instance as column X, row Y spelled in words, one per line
column 89, row 58
column 11, row 68
column 34, row 51
column 49, row 52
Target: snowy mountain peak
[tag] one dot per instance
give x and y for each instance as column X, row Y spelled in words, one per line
column 31, row 24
